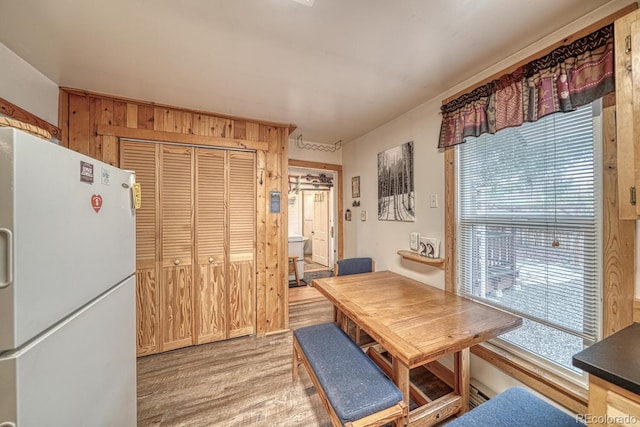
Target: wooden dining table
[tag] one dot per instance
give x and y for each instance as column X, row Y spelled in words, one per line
column 417, row 324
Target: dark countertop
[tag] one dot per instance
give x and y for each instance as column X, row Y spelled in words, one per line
column 615, row 359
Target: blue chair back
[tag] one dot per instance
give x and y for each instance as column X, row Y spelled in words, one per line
column 354, row 266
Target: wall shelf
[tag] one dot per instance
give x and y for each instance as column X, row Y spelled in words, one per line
column 413, row 256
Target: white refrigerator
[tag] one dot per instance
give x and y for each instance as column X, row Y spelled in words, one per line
column 67, row 287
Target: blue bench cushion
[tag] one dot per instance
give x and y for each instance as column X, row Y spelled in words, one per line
column 515, row 407
column 354, row 385
column 354, row 266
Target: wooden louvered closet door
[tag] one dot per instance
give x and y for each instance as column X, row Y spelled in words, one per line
column 141, row 158
column 211, row 224
column 225, row 230
column 195, row 244
column 242, row 208
column 176, row 218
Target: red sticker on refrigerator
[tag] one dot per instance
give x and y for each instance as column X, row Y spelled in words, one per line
column 96, row 202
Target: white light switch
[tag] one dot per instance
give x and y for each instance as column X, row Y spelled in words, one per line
column 433, row 201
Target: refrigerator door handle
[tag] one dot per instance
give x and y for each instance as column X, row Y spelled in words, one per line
column 9, row 259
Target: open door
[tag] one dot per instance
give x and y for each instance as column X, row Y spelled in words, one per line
column 314, row 203
column 320, row 233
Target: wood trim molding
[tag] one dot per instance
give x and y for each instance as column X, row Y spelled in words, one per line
column 180, row 138
column 9, row 109
column 618, row 239
column 565, row 41
column 338, row 170
column 63, row 117
column 290, row 126
column 314, row 165
column 450, row 219
column 636, row 310
column 556, row 388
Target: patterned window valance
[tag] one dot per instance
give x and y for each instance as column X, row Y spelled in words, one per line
column 566, row 78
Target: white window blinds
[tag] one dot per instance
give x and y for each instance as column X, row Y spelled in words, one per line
column 529, row 222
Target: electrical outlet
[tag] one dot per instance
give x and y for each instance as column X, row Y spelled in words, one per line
column 363, row 216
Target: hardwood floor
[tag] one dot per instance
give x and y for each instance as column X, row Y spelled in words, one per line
column 303, row 294
column 240, row 382
column 309, row 265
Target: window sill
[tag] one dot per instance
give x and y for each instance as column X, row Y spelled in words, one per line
column 550, row 384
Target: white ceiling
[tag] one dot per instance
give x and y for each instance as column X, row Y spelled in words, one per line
column 337, row 69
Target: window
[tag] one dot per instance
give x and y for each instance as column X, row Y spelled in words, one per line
column 529, row 233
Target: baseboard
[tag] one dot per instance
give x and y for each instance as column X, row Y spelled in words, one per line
column 636, row 310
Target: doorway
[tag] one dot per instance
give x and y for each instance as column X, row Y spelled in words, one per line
column 313, row 201
column 316, row 229
column 310, row 216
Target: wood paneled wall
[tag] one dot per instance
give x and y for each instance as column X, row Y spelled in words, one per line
column 93, row 124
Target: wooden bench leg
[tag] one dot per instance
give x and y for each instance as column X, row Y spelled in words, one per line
column 296, row 359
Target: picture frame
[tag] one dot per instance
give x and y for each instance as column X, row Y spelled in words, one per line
column 396, row 193
column 355, row 187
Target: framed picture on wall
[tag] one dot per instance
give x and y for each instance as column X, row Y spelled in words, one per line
column 355, row 187
column 396, row 195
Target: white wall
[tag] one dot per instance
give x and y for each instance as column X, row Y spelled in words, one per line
column 381, row 239
column 26, row 87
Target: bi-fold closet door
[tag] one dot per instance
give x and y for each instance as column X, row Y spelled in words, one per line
column 195, row 244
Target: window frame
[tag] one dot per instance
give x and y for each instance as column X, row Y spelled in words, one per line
column 618, row 281
column 502, row 220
